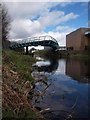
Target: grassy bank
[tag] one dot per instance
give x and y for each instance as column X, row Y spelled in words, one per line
column 20, row 63
column 17, row 86
column 78, row 55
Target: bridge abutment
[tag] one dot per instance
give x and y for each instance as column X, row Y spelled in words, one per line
column 26, row 50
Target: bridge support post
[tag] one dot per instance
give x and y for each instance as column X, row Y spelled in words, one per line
column 26, row 50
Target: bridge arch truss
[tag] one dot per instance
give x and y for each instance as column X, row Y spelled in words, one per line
column 35, row 41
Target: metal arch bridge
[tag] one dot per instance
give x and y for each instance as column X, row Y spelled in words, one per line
column 35, row 41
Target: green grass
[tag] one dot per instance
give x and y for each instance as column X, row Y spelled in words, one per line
column 27, row 114
column 20, row 63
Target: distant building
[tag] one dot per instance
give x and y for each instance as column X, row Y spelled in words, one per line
column 78, row 40
column 47, row 48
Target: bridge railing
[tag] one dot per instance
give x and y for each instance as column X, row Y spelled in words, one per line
column 33, row 39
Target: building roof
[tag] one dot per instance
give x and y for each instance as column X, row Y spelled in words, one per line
column 77, row 30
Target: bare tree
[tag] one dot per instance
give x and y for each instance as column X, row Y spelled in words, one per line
column 5, row 25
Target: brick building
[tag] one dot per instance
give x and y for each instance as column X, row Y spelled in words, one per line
column 78, row 40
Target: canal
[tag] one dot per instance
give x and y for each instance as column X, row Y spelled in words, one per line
column 61, row 87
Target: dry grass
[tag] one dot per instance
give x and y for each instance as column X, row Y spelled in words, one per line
column 15, row 90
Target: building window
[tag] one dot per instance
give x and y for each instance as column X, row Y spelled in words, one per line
column 70, row 48
column 86, row 48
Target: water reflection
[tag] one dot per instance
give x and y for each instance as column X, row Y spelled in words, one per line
column 62, row 90
column 46, row 66
column 78, row 70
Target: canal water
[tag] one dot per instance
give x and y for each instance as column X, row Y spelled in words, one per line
column 61, row 88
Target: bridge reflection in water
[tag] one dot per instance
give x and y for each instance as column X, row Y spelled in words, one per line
column 52, row 66
column 79, row 70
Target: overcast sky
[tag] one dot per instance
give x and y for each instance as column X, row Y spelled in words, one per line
column 47, row 18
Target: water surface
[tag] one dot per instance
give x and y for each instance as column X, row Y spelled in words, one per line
column 62, row 87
